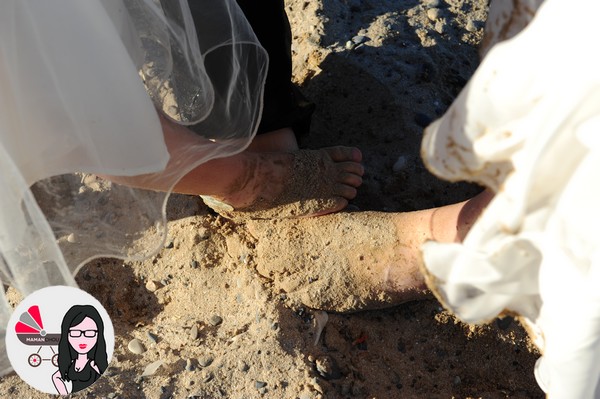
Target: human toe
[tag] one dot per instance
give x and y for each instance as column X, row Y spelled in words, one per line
column 350, row 179
column 345, row 191
column 342, row 153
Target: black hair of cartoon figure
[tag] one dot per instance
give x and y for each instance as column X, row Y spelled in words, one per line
column 67, row 354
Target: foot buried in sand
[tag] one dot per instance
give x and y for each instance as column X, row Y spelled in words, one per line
column 292, row 185
column 343, row 262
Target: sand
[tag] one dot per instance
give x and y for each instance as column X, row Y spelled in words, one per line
column 407, row 62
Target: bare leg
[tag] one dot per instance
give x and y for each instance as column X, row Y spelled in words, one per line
column 282, row 140
column 354, row 261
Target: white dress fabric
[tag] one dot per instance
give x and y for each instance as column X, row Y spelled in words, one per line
column 527, row 126
column 80, row 86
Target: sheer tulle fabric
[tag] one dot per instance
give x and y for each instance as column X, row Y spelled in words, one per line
column 80, row 83
column 527, row 126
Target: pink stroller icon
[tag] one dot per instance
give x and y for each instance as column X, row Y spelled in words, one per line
column 30, row 331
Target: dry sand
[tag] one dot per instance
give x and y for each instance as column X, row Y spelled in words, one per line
column 409, row 60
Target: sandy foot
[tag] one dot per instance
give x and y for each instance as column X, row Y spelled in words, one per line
column 343, row 262
column 291, row 185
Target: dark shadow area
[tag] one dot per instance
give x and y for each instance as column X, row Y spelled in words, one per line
column 429, row 354
column 380, row 95
column 122, row 293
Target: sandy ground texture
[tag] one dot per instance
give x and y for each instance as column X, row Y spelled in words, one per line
column 229, row 318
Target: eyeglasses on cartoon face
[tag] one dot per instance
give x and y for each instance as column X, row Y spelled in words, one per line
column 86, row 333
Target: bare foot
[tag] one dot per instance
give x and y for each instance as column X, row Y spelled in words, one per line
column 343, row 262
column 291, row 185
column 348, row 262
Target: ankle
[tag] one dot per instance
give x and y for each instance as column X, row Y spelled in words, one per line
column 281, row 140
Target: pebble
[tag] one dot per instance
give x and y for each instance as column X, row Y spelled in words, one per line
column 360, row 39
column 152, row 368
column 135, row 346
column 71, row 238
column 215, row 320
column 152, row 337
column 350, row 45
column 327, row 368
column 400, row 164
column 169, row 244
column 189, row 365
column 432, row 3
column 260, row 384
column 321, row 319
column 243, row 366
column 471, row 27
column 194, row 264
column 205, row 361
column 433, row 13
column 439, row 26
column 194, row 332
column 152, row 285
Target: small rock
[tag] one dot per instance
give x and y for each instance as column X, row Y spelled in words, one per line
column 350, row 45
column 135, row 346
column 152, row 337
column 327, row 368
column 194, row 264
column 242, row 366
column 215, row 320
column 71, row 238
column 470, row 26
column 152, row 285
column 433, row 14
column 432, row 3
column 360, row 39
column 400, row 164
column 439, row 26
column 457, row 380
column 320, row 319
column 194, row 332
column 205, row 361
column 260, row 384
column 189, row 365
column 152, row 368
column 305, row 395
column 169, row 244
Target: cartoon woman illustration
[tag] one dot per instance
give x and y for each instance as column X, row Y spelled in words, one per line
column 81, row 350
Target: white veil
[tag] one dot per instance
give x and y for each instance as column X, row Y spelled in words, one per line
column 80, row 83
